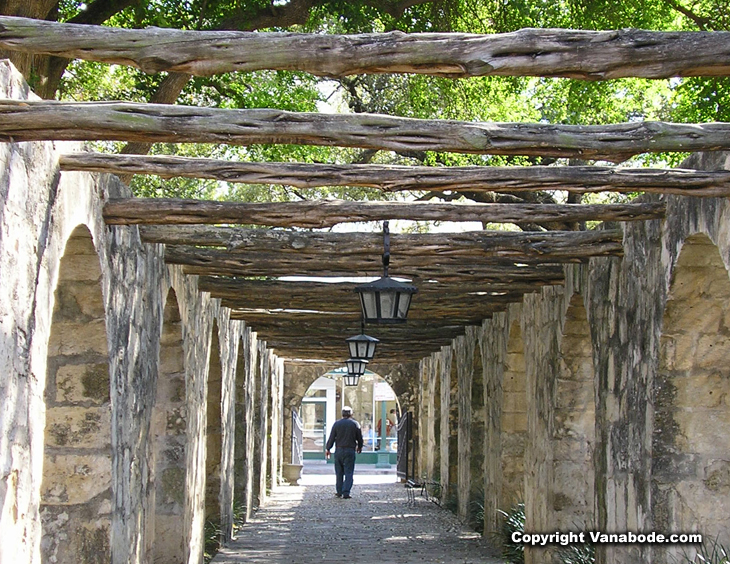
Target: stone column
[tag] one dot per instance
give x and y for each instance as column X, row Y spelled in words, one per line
column 447, row 445
column 493, row 344
column 464, row 357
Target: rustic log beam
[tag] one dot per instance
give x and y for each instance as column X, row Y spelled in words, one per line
column 394, row 178
column 348, row 301
column 365, row 249
column 282, row 326
column 271, row 265
column 234, row 287
column 118, row 121
column 589, row 55
column 327, row 213
column 276, row 263
column 544, row 274
column 405, row 337
column 256, row 317
column 388, row 355
column 423, row 307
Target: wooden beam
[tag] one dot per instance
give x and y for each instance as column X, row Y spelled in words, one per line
column 327, row 213
column 271, row 265
column 406, row 263
column 333, row 300
column 394, row 178
column 545, row 274
column 350, row 319
column 540, row 246
column 117, row 121
column 234, row 287
column 443, row 336
column 280, row 325
column 387, row 355
column 590, row 55
column 422, row 308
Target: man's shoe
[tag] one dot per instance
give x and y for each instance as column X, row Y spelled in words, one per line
column 339, row 495
column 346, row 497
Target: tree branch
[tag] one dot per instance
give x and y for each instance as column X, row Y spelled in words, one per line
column 699, row 21
column 99, row 11
column 292, row 13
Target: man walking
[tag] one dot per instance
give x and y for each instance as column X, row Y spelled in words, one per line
column 346, row 436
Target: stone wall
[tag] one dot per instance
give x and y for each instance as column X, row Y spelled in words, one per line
column 105, row 360
column 606, row 398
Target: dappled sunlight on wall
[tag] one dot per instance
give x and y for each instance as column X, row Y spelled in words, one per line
column 76, row 492
column 691, row 443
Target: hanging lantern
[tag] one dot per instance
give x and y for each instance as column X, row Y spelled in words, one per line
column 362, row 346
column 385, row 300
column 355, row 368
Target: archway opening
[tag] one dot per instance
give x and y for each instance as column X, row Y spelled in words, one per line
column 169, row 435
column 214, row 433
column 691, row 441
column 76, row 490
column 375, row 406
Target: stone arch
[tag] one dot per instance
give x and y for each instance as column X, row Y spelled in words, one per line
column 514, row 420
column 325, row 395
column 76, row 489
column 214, row 432
column 478, row 430
column 574, row 424
column 691, row 448
column 169, row 437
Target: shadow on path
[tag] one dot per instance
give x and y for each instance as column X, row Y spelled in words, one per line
column 305, row 524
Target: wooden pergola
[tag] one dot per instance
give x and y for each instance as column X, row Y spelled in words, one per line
column 290, row 284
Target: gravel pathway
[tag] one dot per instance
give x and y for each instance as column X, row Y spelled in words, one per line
column 307, row 524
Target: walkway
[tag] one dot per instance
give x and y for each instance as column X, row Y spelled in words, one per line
column 307, row 524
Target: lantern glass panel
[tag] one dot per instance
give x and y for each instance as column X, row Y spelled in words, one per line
column 351, row 379
column 356, row 366
column 369, row 305
column 388, row 304
column 403, row 305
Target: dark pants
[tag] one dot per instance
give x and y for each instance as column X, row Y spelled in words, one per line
column 344, row 468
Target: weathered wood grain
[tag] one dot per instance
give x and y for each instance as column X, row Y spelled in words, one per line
column 590, row 55
column 118, row 121
column 342, row 251
column 281, row 289
column 286, row 318
column 517, row 245
column 394, row 178
column 474, row 273
column 327, row 213
column 545, row 274
column 432, row 305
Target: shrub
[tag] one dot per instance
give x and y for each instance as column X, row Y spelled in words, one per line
column 512, row 521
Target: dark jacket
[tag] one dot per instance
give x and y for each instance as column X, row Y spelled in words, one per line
column 345, row 433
